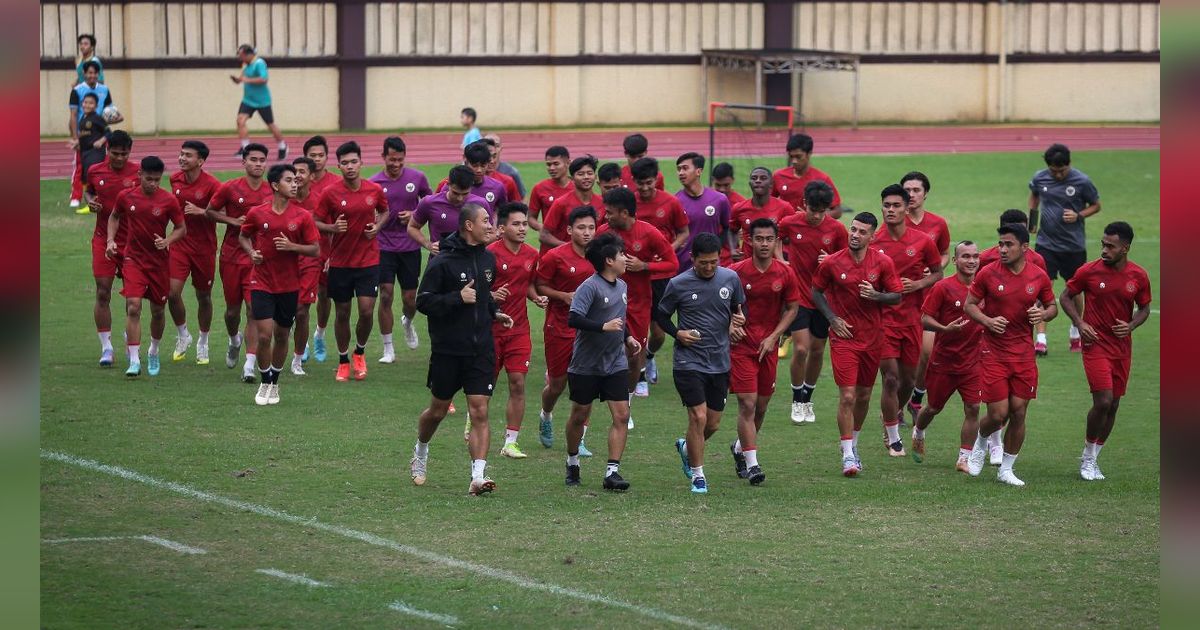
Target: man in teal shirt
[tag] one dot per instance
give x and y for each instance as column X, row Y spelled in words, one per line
column 87, row 52
column 256, row 97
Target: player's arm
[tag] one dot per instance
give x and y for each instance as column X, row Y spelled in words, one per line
column 1090, row 210
column 664, row 260
column 790, row 310
column 216, row 210
column 546, row 238
column 178, row 227
column 837, row 325
column 548, row 291
column 415, row 223
column 681, row 237
column 1034, row 204
column 114, row 221
column 935, row 265
column 435, row 297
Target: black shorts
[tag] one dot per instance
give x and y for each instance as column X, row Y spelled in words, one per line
column 657, row 288
column 265, row 113
column 405, row 266
column 698, row 388
column 448, row 374
column 347, row 282
column 1063, row 264
column 586, row 388
column 280, row 307
column 812, row 320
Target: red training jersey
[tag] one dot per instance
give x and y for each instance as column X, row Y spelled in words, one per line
column 147, row 217
column 665, row 214
column 933, row 225
column 912, row 254
column 644, row 242
column 201, row 237
column 944, row 302
column 1109, row 294
column 544, row 194
column 803, row 244
column 105, row 184
column 562, row 269
column 992, row 255
column 745, row 213
column 838, row 277
column 310, row 203
column 628, row 181
column 510, row 185
column 236, row 197
column 351, row 249
column 516, row 271
column 319, row 185
column 1007, row 294
column 789, row 186
column 279, row 271
column 555, row 219
column 767, row 293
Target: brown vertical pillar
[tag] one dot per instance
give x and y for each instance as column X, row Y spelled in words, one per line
column 777, row 33
column 352, row 73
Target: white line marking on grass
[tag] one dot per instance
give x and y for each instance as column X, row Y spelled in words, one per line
column 378, row 541
column 448, row 620
column 291, row 577
column 154, row 540
column 172, row 545
column 59, row 541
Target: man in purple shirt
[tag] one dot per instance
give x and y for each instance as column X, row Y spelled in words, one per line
column 707, row 210
column 440, row 210
column 399, row 254
column 477, row 156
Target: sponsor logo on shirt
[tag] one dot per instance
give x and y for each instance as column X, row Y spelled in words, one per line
column 552, row 199
column 843, row 276
column 710, row 210
column 1000, row 287
column 243, row 200
column 572, row 270
column 385, row 190
column 504, row 266
column 1101, row 285
column 957, row 303
column 409, row 187
column 694, row 296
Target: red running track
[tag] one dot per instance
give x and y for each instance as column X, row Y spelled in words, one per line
column 522, row 146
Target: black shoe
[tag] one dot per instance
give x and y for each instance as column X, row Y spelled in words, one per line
column 614, row 482
column 739, row 462
column 572, row 475
column 282, row 152
column 756, row 475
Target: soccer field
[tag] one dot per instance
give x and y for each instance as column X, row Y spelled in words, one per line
column 317, row 486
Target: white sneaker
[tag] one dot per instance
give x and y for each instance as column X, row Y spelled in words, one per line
column 642, row 389
column 249, row 373
column 629, row 425
column 389, row 354
column 798, row 413
column 416, row 467
column 181, row 347
column 975, row 461
column 263, row 396
column 1087, row 472
column 273, row 394
column 996, row 454
column 410, row 333
column 74, row 203
column 1008, row 477
column 1096, row 474
column 807, row 410
column 298, row 366
column 201, row 354
column 232, row 353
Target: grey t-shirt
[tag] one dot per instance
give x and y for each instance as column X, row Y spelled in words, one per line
column 706, row 306
column 599, row 353
column 1075, row 192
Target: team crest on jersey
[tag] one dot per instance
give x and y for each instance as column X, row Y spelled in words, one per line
column 957, row 303
column 385, row 190
column 1029, row 288
column 292, row 227
column 871, row 277
column 660, row 213
column 1130, row 286
column 910, row 252
column 528, row 266
column 710, row 210
column 409, row 187
column 1070, row 191
column 488, row 274
column 827, row 240
column 776, row 286
column 490, row 196
column 156, row 211
column 637, row 247
column 199, row 195
column 1101, row 285
column 177, row 191
column 724, row 293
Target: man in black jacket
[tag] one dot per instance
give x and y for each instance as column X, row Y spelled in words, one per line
column 455, row 296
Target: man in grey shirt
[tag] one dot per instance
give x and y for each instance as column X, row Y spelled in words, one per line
column 599, row 368
column 708, row 298
column 1065, row 197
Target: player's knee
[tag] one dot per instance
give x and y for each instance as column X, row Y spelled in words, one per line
column 204, row 298
column 516, row 387
column 1103, row 400
column 847, row 398
column 103, row 295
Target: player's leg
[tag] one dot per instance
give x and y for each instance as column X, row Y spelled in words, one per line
column 102, row 314
column 697, row 433
column 133, row 333
column 636, row 385
column 812, row 367
column 889, row 405
column 618, row 434
column 283, row 319
column 341, row 331
column 967, row 434
column 76, row 179
column 1014, row 438
column 575, row 425
column 801, row 338
column 477, row 411
column 996, row 399
column 847, row 403
column 300, row 339
column 324, row 309
column 747, row 433
column 514, row 413
column 919, row 386
column 158, row 323
column 179, row 268
column 250, row 368
column 231, row 288
column 443, row 380
column 1099, row 371
column 265, row 328
column 386, row 320
column 409, row 277
column 243, row 131
column 362, row 329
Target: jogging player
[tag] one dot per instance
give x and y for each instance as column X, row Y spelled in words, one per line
column 196, row 253
column 105, row 182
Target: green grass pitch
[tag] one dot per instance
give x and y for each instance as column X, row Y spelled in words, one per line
column 903, row 545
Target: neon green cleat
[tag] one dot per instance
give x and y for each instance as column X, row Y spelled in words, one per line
column 513, row 450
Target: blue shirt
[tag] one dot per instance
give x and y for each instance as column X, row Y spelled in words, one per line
column 103, row 98
column 256, row 95
column 472, row 135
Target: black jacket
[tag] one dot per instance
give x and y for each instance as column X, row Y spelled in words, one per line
column 457, row 328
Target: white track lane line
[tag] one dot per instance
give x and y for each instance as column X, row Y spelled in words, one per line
column 447, row 620
column 291, row 577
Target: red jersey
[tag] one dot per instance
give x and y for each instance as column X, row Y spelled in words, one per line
column 992, row 255
column 838, row 278
column 803, row 244
column 628, row 181
column 310, row 204
column 734, row 198
column 324, row 181
column 1109, row 294
column 944, row 302
column 789, row 186
column 279, row 271
column 236, row 197
column 510, row 185
column 517, row 272
column 933, row 225
column 147, row 216
column 1009, row 295
column 543, row 195
column 767, row 293
column 201, row 236
column 350, row 248
column 555, row 219
column 911, row 254
column 745, row 213
column 644, row 242
column 106, row 184
column 562, row 269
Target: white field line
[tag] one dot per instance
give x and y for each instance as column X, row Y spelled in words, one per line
column 447, row 620
column 59, row 541
column 172, row 545
column 291, row 577
column 372, row 539
column 154, row 540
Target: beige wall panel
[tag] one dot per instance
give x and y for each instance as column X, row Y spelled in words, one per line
column 519, row 96
column 1111, row 38
column 1130, row 91
column 900, row 92
column 1074, row 27
column 1149, row 22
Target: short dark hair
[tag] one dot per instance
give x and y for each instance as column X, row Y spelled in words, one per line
column 508, row 209
column 152, row 164
column 91, row 95
column 801, row 141
column 254, row 146
column 199, row 147
column 470, row 111
column 470, row 212
column 346, row 148
column 1057, row 155
column 88, row 36
column 644, row 168
column 696, row 159
column 761, row 168
column 705, row 243
column 316, row 141
column 894, row 190
column 818, row 194
column 580, row 162
column 461, row 177
column 919, row 176
column 722, row 170
column 312, row 166
column 1121, row 230
column 582, row 212
column 608, row 172
column 246, row 48
column 1013, row 215
column 120, row 139
column 621, row 197
column 961, row 244
column 763, row 223
column 601, row 248
column 635, row 144
column 91, row 64
column 395, row 143
column 275, row 173
column 558, row 150
column 868, row 218
column 491, row 142
column 1016, row 229
column 477, row 153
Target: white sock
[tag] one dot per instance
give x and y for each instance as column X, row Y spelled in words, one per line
column 182, row 329
column 105, row 340
column 583, row 435
column 994, row 439
column 477, row 466
column 751, row 457
column 319, row 333
column 1074, row 332
column 546, row 415
column 964, row 453
column 573, row 460
column 1088, row 451
column 297, row 357
column 981, row 441
column 918, row 434
column 854, row 442
column 153, row 347
column 847, row 448
column 134, row 353
column 737, row 446
column 1096, row 446
column 697, row 471
column 611, row 468
column 1007, row 464
column 236, row 341
column 405, row 321
column 387, row 340
column 251, row 360
column 282, row 144
column 422, row 449
column 510, row 436
column 1041, row 337
column 202, row 340
column 893, row 433
column 245, row 142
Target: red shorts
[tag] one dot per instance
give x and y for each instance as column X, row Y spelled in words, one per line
column 202, row 267
column 1002, row 380
column 853, row 367
column 235, row 283
column 150, row 283
column 323, row 278
column 513, row 353
column 639, row 326
column 102, row 266
column 558, row 354
column 310, row 278
column 903, row 342
column 748, row 375
column 1106, row 373
column 941, row 383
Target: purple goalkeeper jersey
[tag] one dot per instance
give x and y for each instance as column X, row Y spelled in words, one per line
column 490, row 190
column 402, row 195
column 707, row 213
column 442, row 216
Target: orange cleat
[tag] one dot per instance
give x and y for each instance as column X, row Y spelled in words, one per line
column 360, row 366
column 343, row 373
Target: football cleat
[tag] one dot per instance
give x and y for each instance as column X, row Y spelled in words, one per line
column 416, row 467
column 481, row 486
column 1008, row 477
column 756, row 475
column 699, row 485
column 181, row 347
column 739, row 462
column 572, row 475
column 681, row 448
column 615, row 482
column 513, row 451
column 152, row 365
